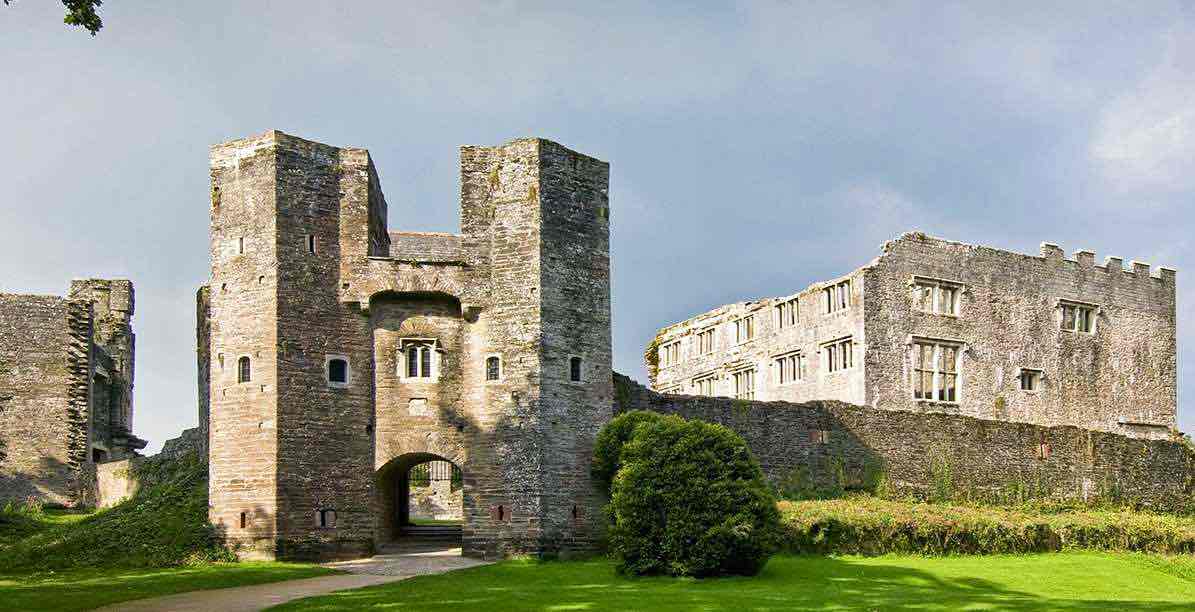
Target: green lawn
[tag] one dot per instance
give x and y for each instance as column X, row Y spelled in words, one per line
column 1065, row 581
column 84, row 589
column 16, row 526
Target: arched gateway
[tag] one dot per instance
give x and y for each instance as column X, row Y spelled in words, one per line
column 373, row 352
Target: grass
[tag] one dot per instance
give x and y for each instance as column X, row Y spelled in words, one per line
column 1064, row 581
column 869, row 525
column 84, row 589
column 164, row 525
column 16, row 526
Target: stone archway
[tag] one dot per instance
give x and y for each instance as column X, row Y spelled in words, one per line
column 395, row 485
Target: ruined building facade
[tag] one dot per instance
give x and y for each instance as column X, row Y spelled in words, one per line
column 335, row 354
column 66, row 389
column 938, row 326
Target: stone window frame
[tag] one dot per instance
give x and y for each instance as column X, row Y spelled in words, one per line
column 580, row 379
column 710, row 333
column 788, row 313
column 837, row 296
column 800, row 368
column 752, row 373
column 1095, row 311
column 711, row 377
column 960, row 346
column 325, row 518
column 434, row 365
column 673, row 347
column 485, row 362
column 1039, row 376
column 748, row 323
column 348, row 371
column 310, row 244
column 829, row 350
column 935, row 285
column 244, row 377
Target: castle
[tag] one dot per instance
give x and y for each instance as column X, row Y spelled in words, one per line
column 345, row 371
column 66, row 389
column 938, row 326
column 339, row 354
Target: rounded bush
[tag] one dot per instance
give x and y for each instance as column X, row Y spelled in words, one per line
column 690, row 500
column 612, row 438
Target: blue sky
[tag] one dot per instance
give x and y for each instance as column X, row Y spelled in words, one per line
column 789, row 139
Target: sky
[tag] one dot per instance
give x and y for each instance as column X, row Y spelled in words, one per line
column 755, row 147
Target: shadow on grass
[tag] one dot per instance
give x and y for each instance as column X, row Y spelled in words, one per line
column 84, row 589
column 787, row 583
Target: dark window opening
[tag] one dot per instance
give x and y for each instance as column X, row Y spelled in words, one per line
column 501, row 513
column 243, row 370
column 326, row 518
column 244, row 520
column 338, row 371
column 493, row 368
column 310, row 243
column 574, row 369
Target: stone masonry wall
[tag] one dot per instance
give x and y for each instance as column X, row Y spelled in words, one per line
column 36, row 429
column 914, row 451
column 243, row 488
column 814, row 328
column 1121, row 378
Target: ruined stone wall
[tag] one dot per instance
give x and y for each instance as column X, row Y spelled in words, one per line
column 814, row 328
column 917, row 453
column 113, row 361
column 1121, row 378
column 40, row 437
column 203, row 358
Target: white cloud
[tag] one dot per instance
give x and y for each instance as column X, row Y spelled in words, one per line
column 1145, row 141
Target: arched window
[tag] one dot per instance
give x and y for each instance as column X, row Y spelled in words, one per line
column 574, row 369
column 338, row 371
column 493, row 367
column 243, row 370
column 419, row 359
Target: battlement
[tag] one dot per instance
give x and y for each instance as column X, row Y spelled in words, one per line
column 229, row 153
column 1085, row 259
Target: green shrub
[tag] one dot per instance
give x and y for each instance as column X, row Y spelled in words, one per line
column 871, row 526
column 690, row 500
column 612, row 438
column 163, row 525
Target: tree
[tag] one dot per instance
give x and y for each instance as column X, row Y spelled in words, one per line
column 81, row 13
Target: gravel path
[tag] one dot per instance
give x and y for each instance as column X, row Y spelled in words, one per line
column 361, row 573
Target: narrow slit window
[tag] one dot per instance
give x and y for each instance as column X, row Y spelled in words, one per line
column 493, row 368
column 574, row 369
column 309, row 239
column 244, row 370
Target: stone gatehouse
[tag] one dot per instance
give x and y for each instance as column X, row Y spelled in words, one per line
column 336, row 354
column 66, row 389
column 945, row 327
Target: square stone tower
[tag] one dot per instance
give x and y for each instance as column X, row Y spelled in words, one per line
column 339, row 354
